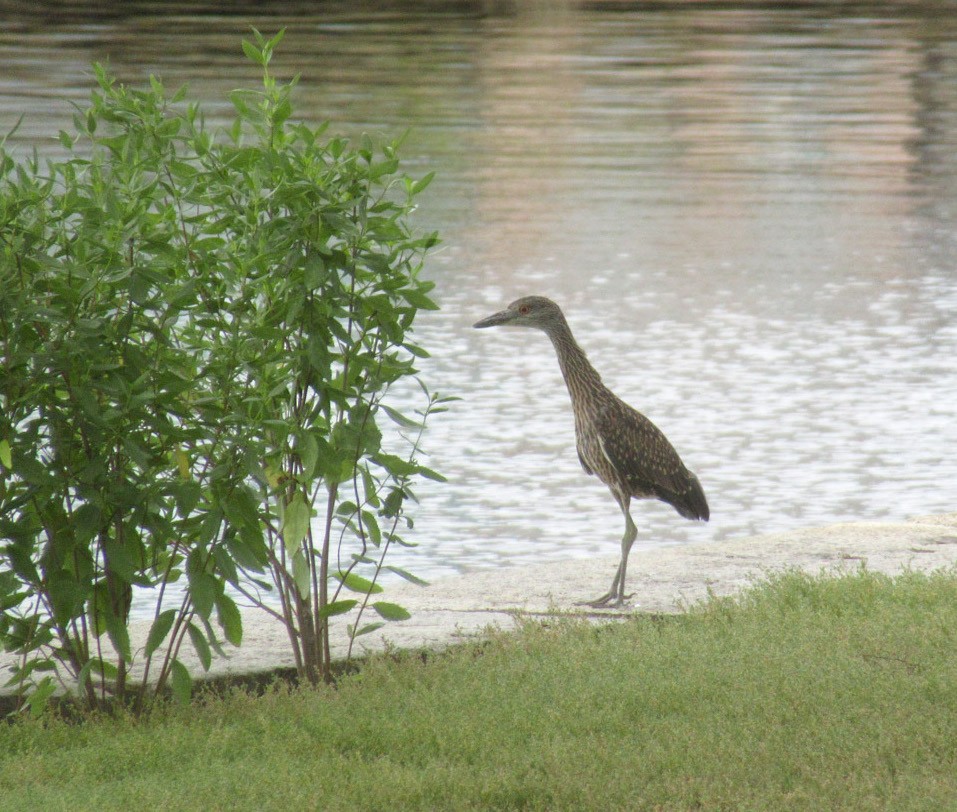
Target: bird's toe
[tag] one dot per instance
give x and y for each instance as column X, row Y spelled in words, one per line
column 609, row 601
column 604, row 602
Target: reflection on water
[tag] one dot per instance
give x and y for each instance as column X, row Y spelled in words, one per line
column 747, row 215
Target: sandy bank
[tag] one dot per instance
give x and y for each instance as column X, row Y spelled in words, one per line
column 663, row 580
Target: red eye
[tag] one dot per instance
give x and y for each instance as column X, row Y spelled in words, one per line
column 524, row 310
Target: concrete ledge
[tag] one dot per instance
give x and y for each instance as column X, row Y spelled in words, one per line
column 663, row 580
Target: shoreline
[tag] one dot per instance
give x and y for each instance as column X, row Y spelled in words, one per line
column 664, row 581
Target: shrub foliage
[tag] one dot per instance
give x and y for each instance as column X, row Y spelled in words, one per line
column 197, row 334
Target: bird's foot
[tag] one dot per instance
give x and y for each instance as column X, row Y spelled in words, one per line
column 610, row 600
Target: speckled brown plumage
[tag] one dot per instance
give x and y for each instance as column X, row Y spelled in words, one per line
column 619, row 445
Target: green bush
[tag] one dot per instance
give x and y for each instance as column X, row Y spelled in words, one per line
column 197, row 334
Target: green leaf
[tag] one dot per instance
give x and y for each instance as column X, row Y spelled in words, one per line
column 269, row 45
column 250, row 554
column 104, row 668
column 211, row 524
column 21, row 674
column 182, row 682
column 225, row 566
column 346, row 508
column 187, row 495
column 391, row 611
column 337, row 607
column 238, row 98
column 87, row 522
column 416, row 350
column 212, row 639
column 308, row 450
column 301, row 573
column 241, row 507
column 119, row 561
column 369, row 627
column 66, row 596
column 40, row 696
column 428, row 473
column 371, row 487
column 357, row 583
column 200, row 645
column 368, row 520
column 393, row 502
column 253, row 53
column 418, row 299
column 408, row 576
column 295, row 523
column 230, row 619
column 422, row 183
column 5, row 456
column 84, row 674
column 314, row 274
column 396, row 466
column 119, row 635
column 387, row 167
column 203, row 589
column 401, row 419
column 159, row 630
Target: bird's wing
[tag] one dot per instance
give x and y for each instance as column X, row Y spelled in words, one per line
column 640, row 453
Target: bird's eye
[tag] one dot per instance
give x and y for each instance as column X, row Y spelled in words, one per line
column 524, row 310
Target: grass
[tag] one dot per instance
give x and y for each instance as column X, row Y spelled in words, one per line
column 804, row 693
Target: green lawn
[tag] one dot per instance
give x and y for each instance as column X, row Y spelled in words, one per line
column 805, row 693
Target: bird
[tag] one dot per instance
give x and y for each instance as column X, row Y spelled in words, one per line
column 616, row 443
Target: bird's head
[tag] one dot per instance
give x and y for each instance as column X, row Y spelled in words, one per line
column 529, row 311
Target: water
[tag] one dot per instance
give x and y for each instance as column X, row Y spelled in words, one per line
column 746, row 212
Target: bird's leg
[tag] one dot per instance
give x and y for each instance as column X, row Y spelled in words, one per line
column 610, row 598
column 615, row 596
column 631, row 533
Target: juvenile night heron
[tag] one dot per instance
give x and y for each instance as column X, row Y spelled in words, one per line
column 618, row 444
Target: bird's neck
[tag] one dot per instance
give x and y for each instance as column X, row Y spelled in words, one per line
column 580, row 376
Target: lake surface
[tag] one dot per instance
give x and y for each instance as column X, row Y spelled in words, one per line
column 747, row 213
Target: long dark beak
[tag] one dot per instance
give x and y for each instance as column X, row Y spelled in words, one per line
column 502, row 317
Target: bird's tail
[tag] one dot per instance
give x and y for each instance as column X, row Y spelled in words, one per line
column 692, row 503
